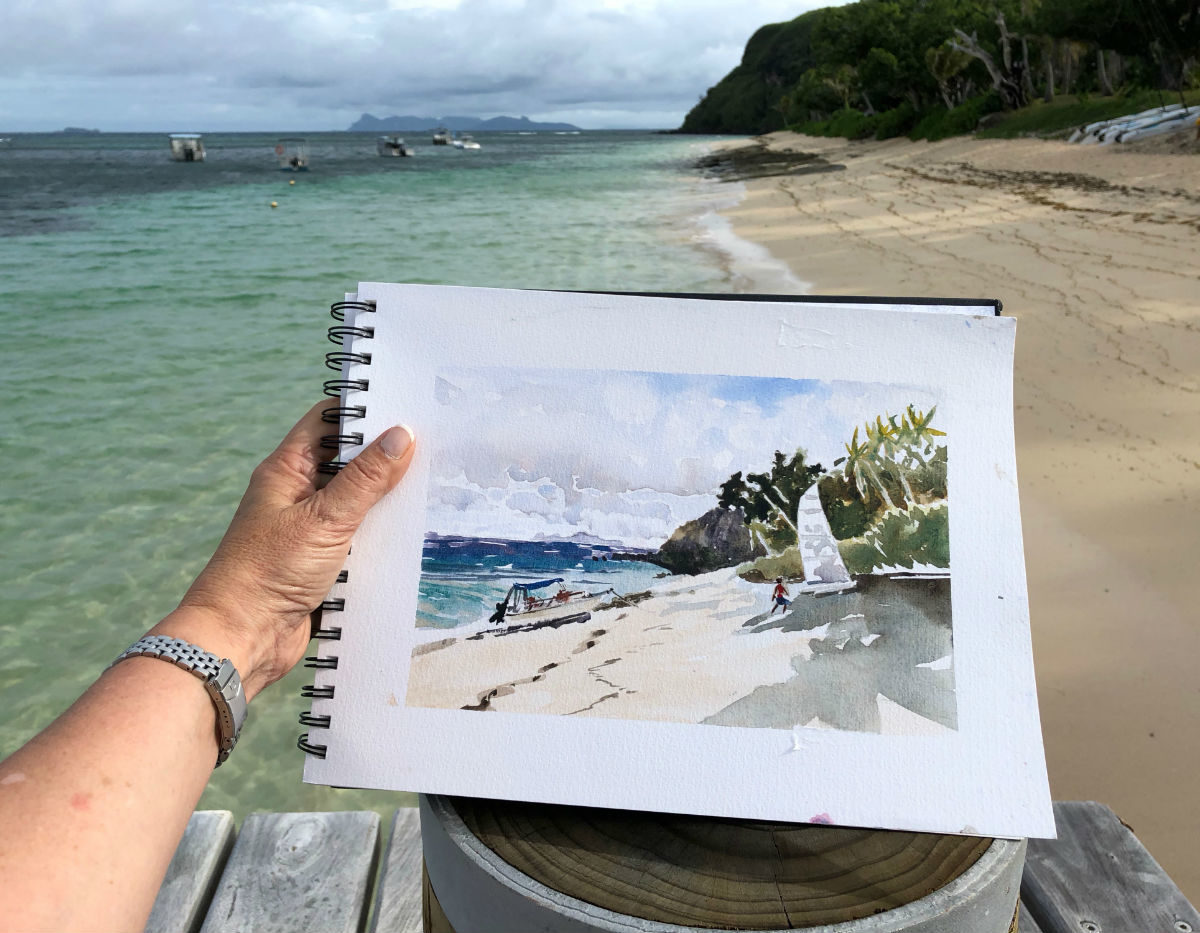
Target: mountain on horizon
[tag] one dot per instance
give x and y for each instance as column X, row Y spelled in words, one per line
column 369, row 123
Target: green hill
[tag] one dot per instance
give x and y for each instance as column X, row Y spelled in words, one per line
column 746, row 101
column 931, row 68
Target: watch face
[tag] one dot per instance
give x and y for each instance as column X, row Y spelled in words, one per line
column 230, row 684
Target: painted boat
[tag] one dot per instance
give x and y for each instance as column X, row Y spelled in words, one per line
column 525, row 602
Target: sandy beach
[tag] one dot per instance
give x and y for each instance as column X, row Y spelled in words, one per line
column 1094, row 251
column 706, row 649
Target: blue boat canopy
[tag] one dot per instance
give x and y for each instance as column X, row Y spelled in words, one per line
column 538, row 585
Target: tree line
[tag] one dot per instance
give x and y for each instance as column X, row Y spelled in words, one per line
column 886, row 497
column 898, row 60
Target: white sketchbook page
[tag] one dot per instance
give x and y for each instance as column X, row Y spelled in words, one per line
column 985, row 776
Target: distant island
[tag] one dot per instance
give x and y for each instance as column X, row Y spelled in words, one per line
column 369, row 123
column 76, row 131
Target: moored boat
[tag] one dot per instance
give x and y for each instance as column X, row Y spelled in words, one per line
column 187, row 147
column 392, row 146
column 292, row 153
column 441, row 136
column 524, row 602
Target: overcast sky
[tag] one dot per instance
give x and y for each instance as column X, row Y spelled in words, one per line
column 621, row 455
column 248, row 64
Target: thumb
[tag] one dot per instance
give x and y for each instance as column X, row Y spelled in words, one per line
column 367, row 478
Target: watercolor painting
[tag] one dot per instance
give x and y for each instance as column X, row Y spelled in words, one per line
column 723, row 550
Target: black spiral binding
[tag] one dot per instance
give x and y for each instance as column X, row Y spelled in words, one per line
column 336, row 414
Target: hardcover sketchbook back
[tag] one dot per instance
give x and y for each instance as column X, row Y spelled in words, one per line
column 734, row 558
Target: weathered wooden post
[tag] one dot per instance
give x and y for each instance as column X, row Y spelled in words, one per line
column 505, row 867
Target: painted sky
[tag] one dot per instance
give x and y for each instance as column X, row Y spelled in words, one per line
column 623, row 456
column 169, row 65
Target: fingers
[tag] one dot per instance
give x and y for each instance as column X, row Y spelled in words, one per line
column 289, row 473
column 367, row 478
column 304, row 439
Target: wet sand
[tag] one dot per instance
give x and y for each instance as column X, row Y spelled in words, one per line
column 1095, row 251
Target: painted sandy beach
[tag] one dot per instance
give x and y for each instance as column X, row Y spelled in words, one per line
column 705, row 649
column 1094, row 251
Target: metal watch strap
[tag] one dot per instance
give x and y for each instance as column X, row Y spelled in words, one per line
column 220, row 679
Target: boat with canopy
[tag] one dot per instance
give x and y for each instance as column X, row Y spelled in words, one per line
column 535, row 600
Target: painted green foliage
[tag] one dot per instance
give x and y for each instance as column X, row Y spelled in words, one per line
column 887, row 505
column 770, row 500
column 920, row 535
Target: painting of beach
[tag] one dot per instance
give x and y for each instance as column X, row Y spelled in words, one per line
column 720, row 550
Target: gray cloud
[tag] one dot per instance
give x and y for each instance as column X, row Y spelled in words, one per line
column 233, row 65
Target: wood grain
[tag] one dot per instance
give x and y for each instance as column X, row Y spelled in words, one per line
column 707, row 872
column 398, row 899
column 193, row 873
column 1098, row 878
column 297, row 871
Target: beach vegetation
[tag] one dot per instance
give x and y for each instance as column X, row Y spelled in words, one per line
column 940, row 123
column 934, row 68
column 787, row 564
column 920, row 535
column 887, row 503
column 770, row 501
column 1065, row 114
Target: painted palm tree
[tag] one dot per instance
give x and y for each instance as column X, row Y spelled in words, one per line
column 919, row 437
column 861, row 468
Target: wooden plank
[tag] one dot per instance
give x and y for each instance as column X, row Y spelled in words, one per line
column 298, row 871
column 398, row 897
column 1097, row 878
column 192, row 875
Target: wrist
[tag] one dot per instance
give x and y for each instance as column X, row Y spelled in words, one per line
column 206, row 629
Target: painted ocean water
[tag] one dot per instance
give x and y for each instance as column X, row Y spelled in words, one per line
column 462, row 579
column 164, row 326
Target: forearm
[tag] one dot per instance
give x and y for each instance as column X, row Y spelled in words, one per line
column 96, row 804
column 92, row 809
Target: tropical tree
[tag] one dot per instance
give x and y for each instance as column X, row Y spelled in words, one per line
column 770, row 501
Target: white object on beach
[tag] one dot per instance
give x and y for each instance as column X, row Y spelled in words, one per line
column 823, row 565
column 1153, row 122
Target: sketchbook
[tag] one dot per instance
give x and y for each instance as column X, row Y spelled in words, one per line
column 754, row 557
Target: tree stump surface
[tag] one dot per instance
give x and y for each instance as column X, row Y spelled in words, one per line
column 710, row 873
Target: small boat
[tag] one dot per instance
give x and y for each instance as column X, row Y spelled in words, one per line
column 466, row 141
column 392, row 146
column 292, row 153
column 441, row 136
column 187, row 147
column 523, row 602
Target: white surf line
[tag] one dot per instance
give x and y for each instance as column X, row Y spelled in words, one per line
column 751, row 264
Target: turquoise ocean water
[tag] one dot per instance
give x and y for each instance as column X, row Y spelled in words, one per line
column 164, row 326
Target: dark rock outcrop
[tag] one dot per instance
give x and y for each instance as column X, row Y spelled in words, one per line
column 718, row 538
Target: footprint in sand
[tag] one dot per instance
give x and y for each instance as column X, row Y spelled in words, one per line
column 591, row 642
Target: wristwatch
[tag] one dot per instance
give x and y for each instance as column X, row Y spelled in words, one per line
column 220, row 678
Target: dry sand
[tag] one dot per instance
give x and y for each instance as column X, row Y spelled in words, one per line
column 706, row 649
column 1095, row 251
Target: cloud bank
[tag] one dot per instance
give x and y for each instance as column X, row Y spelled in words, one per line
column 622, row 455
column 163, row 64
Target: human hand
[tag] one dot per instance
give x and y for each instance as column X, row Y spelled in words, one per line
column 283, row 551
